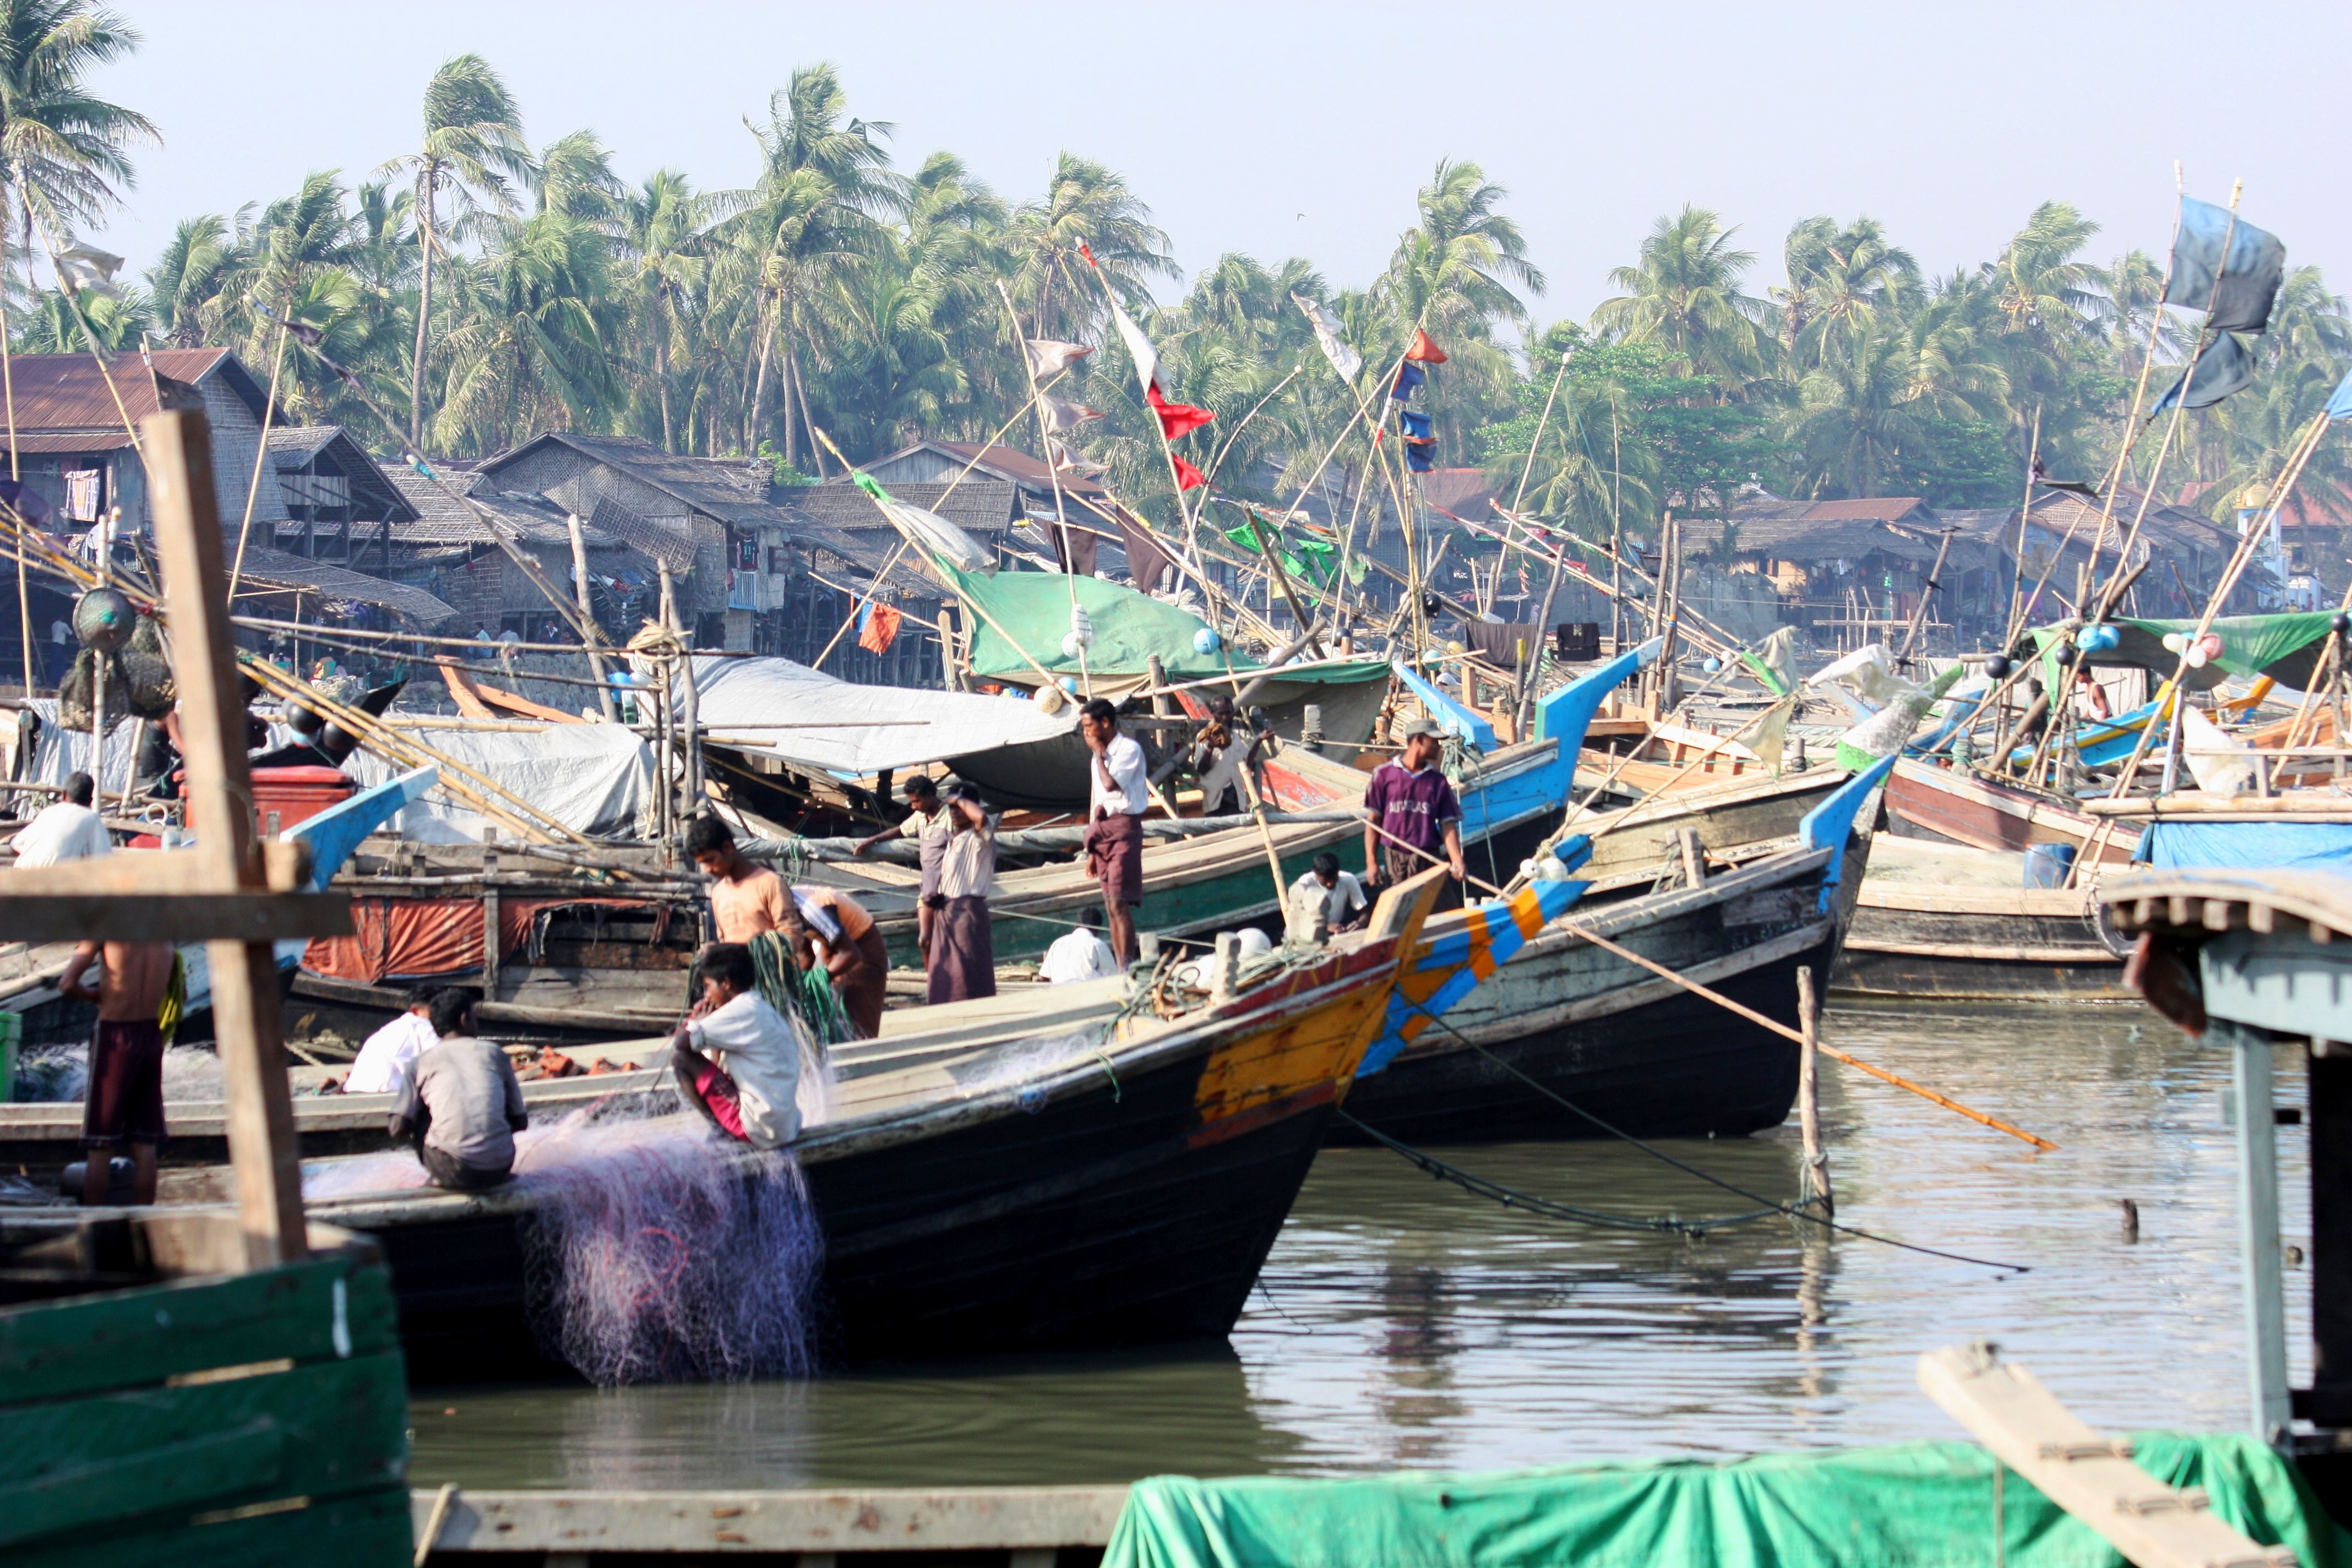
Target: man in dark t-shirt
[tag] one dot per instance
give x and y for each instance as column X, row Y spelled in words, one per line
column 1415, row 816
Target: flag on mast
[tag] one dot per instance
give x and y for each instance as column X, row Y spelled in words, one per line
column 1331, row 337
column 1175, row 419
column 1048, row 359
column 1061, row 413
column 1424, row 352
column 1188, row 478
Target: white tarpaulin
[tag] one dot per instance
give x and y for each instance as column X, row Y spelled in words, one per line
column 852, row 728
column 595, row 779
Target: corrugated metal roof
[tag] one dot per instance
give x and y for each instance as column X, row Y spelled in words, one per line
column 1000, row 462
column 115, row 440
column 275, row 568
column 444, row 520
column 65, row 392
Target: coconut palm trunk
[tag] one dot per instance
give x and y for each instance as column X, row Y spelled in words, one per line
column 424, row 187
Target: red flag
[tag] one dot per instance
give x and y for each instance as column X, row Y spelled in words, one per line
column 1188, row 478
column 1175, row 419
column 1424, row 351
column 1089, row 256
column 881, row 629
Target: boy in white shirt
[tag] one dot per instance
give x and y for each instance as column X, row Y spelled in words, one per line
column 67, row 830
column 736, row 1058
column 389, row 1054
column 1324, row 900
column 1079, row 954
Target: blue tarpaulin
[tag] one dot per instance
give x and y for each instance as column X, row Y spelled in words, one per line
column 2270, row 845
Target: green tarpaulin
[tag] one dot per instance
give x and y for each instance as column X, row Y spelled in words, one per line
column 1922, row 1505
column 1034, row 607
column 2285, row 647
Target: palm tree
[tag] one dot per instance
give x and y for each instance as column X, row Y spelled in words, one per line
column 1452, row 274
column 1837, row 279
column 188, row 276
column 1859, row 412
column 1684, row 293
column 662, row 224
column 824, row 184
column 528, row 352
column 1085, row 204
column 64, row 150
column 473, row 145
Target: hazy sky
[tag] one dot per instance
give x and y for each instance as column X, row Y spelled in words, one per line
column 1305, row 130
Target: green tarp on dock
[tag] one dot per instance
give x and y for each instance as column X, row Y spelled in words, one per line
column 1921, row 1505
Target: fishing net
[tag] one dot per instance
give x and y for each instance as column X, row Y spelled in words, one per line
column 806, row 994
column 53, row 1073
column 657, row 1251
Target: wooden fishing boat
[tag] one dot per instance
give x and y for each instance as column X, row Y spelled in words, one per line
column 1968, row 808
column 1627, row 1046
column 1730, row 817
column 1125, row 1193
column 1948, row 921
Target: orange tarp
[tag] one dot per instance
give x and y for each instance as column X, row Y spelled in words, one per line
column 419, row 938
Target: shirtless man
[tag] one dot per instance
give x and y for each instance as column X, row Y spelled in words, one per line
column 125, row 1101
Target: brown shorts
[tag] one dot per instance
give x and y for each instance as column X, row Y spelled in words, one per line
column 125, row 1100
column 1115, row 856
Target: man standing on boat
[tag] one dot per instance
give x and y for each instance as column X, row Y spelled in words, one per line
column 1115, row 811
column 928, row 826
column 1415, row 818
column 124, row 1103
column 745, row 899
column 963, row 962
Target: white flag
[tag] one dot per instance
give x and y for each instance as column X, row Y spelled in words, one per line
column 1331, row 335
column 1069, row 462
column 1062, row 415
column 1048, row 359
column 1138, row 347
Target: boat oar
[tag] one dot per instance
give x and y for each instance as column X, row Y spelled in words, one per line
column 1753, row 1017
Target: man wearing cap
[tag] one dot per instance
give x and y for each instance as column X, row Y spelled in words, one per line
column 1415, row 817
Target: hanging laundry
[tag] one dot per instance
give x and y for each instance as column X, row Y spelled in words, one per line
column 1424, row 351
column 1048, row 359
column 2248, row 276
column 1330, row 336
column 878, row 628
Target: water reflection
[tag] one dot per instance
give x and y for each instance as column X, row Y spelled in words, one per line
column 1403, row 1322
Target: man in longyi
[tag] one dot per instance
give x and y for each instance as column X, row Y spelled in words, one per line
column 1119, row 796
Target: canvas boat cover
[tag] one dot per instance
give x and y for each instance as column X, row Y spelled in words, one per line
column 2287, row 648
column 1917, row 1504
column 595, row 779
column 2178, row 844
column 1128, row 627
column 856, row 730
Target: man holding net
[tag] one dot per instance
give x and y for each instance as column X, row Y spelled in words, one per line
column 736, row 1058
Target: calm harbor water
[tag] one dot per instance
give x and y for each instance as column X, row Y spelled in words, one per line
column 1406, row 1323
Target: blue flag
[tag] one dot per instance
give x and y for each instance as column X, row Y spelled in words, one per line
column 2224, row 367
column 2340, row 405
column 1409, row 377
column 1416, row 426
column 2249, row 282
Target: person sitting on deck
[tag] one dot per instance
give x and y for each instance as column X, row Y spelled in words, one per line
column 463, row 1105
column 928, row 824
column 67, row 829
column 745, row 899
column 855, row 955
column 124, row 1103
column 1079, row 954
column 965, row 967
column 1324, row 901
column 736, row 1058
column 389, row 1056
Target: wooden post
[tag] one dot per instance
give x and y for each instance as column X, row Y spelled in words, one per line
column 612, row 709
column 1815, row 1187
column 489, row 914
column 263, row 1159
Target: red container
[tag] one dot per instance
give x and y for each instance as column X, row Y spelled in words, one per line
column 297, row 794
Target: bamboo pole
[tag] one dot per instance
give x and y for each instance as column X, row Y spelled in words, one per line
column 1816, row 1188
column 261, row 459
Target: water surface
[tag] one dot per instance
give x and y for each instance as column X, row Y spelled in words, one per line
column 1404, row 1323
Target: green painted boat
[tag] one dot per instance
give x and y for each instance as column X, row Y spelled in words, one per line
column 162, row 1409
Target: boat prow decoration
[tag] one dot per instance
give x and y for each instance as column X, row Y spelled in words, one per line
column 334, row 833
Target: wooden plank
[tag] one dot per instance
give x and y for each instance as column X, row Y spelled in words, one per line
column 127, row 1337
column 319, row 1430
column 177, row 444
column 256, row 917
column 368, row 1529
column 2082, row 1470
column 285, row 866
column 900, row 1518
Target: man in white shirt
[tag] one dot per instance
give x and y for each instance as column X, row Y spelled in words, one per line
column 735, row 1057
column 1115, row 809
column 69, row 830
column 1324, row 900
column 1079, row 954
column 389, row 1056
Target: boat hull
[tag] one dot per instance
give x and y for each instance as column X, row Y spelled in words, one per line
column 1915, row 942
column 1633, row 1049
column 1967, row 809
